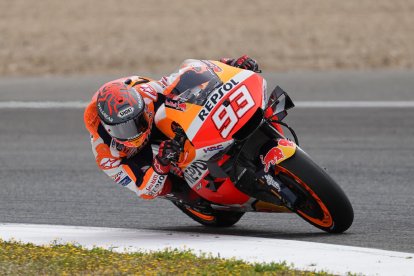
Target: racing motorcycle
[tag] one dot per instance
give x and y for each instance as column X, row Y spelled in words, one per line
column 234, row 155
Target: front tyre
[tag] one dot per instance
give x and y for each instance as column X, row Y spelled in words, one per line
column 215, row 218
column 321, row 202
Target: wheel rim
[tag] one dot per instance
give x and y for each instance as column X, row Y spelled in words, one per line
column 325, row 219
column 200, row 215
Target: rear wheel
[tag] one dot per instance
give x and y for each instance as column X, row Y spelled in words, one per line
column 321, row 202
column 214, row 218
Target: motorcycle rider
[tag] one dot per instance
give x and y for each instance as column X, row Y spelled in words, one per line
column 120, row 119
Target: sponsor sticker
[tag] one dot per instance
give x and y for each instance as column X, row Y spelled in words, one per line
column 155, row 185
column 213, row 148
column 271, row 158
column 117, row 177
column 125, row 181
column 175, row 104
column 286, row 143
column 216, row 97
column 270, row 181
column 106, row 116
column 125, row 112
column 195, row 172
column 275, row 154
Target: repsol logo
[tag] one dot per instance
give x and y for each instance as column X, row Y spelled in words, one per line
column 195, row 171
column 155, row 185
column 215, row 98
column 125, row 112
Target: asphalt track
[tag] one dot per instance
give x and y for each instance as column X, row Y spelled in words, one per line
column 48, row 174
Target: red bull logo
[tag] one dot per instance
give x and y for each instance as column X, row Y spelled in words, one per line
column 286, row 143
column 175, row 104
column 271, row 158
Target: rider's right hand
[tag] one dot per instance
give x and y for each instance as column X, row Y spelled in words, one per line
column 169, row 151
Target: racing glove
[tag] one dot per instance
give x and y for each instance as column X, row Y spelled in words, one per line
column 169, row 151
column 243, row 62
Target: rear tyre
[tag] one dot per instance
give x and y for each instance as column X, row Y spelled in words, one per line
column 323, row 203
column 215, row 218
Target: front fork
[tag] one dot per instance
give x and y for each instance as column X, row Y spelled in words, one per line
column 271, row 157
column 263, row 184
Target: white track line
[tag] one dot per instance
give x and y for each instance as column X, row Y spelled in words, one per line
column 303, row 255
column 42, row 105
column 299, row 104
column 355, row 104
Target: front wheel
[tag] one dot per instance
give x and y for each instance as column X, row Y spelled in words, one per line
column 320, row 201
column 215, row 218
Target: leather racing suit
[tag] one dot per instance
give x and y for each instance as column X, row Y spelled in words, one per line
column 133, row 167
column 128, row 166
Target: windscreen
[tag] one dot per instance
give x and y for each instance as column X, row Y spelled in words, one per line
column 196, row 83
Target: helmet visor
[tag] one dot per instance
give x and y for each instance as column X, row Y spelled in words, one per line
column 129, row 130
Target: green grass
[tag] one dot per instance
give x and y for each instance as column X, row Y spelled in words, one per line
column 29, row 259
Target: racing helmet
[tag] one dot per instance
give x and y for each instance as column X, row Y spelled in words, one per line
column 123, row 114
